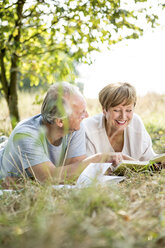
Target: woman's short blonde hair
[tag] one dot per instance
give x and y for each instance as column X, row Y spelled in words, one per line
column 117, row 93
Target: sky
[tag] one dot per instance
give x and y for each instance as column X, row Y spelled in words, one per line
column 140, row 62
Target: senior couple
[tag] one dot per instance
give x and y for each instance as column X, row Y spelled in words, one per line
column 57, row 144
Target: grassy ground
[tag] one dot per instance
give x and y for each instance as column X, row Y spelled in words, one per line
column 129, row 214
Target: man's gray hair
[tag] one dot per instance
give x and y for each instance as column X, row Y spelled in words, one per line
column 56, row 104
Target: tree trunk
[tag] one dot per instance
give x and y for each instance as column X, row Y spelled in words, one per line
column 13, row 104
column 9, row 86
column 10, row 89
column 12, row 98
column 13, row 108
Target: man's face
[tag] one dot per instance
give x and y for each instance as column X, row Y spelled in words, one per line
column 79, row 112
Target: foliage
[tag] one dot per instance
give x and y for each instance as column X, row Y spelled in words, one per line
column 42, row 39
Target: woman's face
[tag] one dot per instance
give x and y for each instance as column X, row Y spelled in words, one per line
column 119, row 117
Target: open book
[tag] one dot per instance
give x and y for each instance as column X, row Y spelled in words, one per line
column 96, row 172
column 138, row 165
column 93, row 173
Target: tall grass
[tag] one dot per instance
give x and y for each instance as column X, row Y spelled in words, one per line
column 27, row 107
column 129, row 214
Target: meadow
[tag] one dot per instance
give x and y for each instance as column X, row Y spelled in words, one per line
column 129, row 214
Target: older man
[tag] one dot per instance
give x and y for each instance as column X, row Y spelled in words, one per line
column 39, row 146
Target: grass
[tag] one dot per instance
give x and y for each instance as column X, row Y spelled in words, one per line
column 129, row 214
column 27, row 107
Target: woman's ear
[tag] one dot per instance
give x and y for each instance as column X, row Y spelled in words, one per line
column 59, row 122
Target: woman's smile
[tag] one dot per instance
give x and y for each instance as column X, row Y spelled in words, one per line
column 121, row 122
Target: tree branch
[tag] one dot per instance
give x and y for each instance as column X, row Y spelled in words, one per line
column 8, row 7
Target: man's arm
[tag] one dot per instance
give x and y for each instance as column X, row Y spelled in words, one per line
column 47, row 171
column 75, row 159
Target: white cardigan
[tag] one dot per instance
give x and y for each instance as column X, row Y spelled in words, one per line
column 137, row 142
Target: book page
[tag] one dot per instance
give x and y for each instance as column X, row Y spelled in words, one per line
column 160, row 158
column 131, row 163
column 94, row 172
column 135, row 165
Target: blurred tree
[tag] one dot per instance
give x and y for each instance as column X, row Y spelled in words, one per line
column 42, row 39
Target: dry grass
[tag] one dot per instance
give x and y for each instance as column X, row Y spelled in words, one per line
column 93, row 107
column 27, row 108
column 128, row 215
column 151, row 107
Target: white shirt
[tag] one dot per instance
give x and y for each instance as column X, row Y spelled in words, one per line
column 137, row 142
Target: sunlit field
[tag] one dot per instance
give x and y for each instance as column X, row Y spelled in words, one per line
column 27, row 107
column 126, row 215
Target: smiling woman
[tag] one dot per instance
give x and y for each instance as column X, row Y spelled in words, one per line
column 116, row 120
column 118, row 128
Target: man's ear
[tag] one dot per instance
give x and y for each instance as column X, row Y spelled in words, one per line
column 59, row 122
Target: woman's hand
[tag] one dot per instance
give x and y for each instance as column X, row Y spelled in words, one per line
column 126, row 157
column 113, row 157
